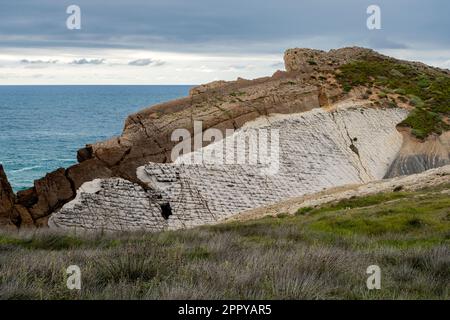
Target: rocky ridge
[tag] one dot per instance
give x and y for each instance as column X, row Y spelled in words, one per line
column 309, row 82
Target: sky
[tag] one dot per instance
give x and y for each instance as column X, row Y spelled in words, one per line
column 198, row 41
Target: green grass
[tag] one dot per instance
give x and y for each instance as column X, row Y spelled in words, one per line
column 319, row 253
column 427, row 91
column 357, row 202
column 55, row 242
column 400, row 219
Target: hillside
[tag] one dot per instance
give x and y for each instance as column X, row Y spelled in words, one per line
column 317, row 253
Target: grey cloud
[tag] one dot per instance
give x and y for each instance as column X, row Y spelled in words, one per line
column 26, row 61
column 86, row 61
column 385, row 43
column 229, row 26
column 146, row 62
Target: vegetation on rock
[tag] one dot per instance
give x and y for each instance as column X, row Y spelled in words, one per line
column 426, row 89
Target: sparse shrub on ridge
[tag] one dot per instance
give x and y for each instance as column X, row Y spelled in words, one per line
column 429, row 92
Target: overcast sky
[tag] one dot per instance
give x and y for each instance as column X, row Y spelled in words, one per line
column 197, row 41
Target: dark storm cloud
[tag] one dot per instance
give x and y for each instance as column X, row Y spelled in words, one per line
column 232, row 25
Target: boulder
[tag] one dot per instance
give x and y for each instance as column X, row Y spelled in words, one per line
column 86, row 171
column 52, row 192
column 84, row 154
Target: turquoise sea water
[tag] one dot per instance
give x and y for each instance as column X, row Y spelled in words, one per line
column 42, row 127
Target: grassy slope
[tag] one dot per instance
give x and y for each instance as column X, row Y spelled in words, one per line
column 427, row 90
column 318, row 253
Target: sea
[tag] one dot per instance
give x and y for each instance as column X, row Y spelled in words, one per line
column 42, row 127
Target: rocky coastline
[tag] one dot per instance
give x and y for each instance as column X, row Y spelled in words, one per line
column 310, row 82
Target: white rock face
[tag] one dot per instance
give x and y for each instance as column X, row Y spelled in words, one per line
column 426, row 179
column 318, row 149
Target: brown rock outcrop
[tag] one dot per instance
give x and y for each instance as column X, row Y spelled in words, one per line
column 86, row 171
column 7, row 199
column 306, row 60
column 52, row 191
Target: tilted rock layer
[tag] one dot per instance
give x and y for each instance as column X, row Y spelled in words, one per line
column 317, row 149
column 427, row 179
column 417, row 156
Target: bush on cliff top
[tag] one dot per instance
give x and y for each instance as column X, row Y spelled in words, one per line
column 428, row 92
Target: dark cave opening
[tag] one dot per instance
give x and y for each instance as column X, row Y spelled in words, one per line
column 166, row 210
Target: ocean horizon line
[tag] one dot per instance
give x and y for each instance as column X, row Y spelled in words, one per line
column 53, row 121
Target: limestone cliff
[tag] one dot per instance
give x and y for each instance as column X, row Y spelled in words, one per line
column 318, row 149
column 309, row 82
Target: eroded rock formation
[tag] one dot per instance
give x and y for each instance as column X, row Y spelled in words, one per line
column 307, row 60
column 309, row 82
column 318, row 149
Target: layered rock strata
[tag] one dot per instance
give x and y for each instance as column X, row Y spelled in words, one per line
column 427, row 179
column 417, row 156
column 317, row 149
